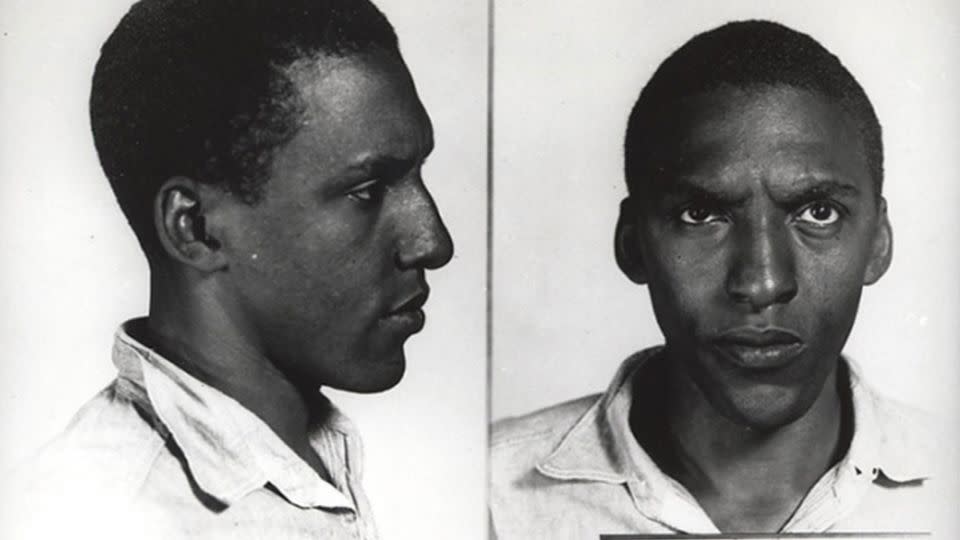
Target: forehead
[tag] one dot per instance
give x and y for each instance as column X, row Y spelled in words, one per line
column 358, row 107
column 777, row 132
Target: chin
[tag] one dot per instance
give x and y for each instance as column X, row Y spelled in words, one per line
column 765, row 408
column 375, row 374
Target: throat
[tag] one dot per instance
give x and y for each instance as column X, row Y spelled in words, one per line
column 744, row 479
column 250, row 380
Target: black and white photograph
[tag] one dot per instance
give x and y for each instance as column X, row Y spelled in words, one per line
column 724, row 298
column 211, row 210
column 487, row 269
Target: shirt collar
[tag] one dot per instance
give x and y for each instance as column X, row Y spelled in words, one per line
column 882, row 439
column 230, row 452
column 600, row 446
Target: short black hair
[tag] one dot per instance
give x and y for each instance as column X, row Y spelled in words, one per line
column 746, row 54
column 198, row 88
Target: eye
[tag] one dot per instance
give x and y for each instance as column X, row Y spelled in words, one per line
column 820, row 214
column 370, row 191
column 699, row 215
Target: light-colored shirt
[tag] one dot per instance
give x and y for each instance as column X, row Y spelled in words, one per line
column 160, row 454
column 575, row 470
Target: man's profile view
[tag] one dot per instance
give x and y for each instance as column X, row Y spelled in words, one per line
column 755, row 216
column 267, row 156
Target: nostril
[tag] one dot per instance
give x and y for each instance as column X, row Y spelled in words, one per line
column 442, row 251
column 762, row 289
column 762, row 270
column 432, row 248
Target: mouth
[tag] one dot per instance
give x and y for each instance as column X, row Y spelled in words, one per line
column 756, row 348
column 410, row 302
column 408, row 313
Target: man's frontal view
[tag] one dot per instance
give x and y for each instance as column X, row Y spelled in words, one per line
column 754, row 166
column 267, row 155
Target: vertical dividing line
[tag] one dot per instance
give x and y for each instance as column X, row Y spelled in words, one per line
column 490, row 189
column 489, row 318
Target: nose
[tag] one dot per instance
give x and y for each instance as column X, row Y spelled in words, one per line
column 763, row 271
column 423, row 238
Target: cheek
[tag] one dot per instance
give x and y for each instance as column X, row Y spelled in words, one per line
column 833, row 275
column 313, row 238
column 309, row 269
column 684, row 283
column 324, row 271
column 830, row 291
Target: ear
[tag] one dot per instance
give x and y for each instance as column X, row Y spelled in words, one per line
column 179, row 216
column 881, row 252
column 627, row 244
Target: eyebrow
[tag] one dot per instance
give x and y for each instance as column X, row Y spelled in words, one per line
column 683, row 187
column 815, row 189
column 367, row 167
column 820, row 189
column 386, row 164
column 379, row 164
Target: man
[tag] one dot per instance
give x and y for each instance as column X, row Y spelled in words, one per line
column 754, row 166
column 267, row 156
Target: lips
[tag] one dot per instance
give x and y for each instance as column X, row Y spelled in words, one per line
column 758, row 348
column 411, row 302
column 406, row 316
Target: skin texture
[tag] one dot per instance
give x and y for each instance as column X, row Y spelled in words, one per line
column 344, row 233
column 763, row 216
column 319, row 283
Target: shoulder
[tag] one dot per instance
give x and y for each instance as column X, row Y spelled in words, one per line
column 517, row 444
column 904, row 421
column 913, row 440
column 110, row 443
column 89, row 475
column 543, row 424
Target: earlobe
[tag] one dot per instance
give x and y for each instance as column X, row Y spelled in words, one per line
column 882, row 248
column 627, row 245
column 181, row 225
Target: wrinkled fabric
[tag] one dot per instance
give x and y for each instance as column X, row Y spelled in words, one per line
column 160, row 454
column 575, row 470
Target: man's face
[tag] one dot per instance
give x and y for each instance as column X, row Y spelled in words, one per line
column 755, row 242
column 328, row 269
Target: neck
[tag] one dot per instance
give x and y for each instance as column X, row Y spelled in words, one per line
column 190, row 325
column 735, row 470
